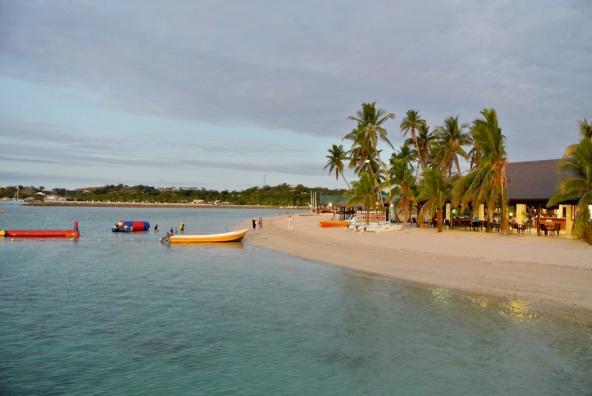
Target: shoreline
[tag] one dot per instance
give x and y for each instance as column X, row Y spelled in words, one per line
column 542, row 272
column 96, row 204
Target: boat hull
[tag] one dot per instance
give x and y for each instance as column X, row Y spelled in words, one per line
column 41, row 233
column 334, row 223
column 233, row 236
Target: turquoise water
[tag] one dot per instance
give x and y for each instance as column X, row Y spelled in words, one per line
column 124, row 314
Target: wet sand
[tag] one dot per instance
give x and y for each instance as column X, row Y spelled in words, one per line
column 544, row 271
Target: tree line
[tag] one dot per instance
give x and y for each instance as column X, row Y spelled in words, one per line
column 280, row 195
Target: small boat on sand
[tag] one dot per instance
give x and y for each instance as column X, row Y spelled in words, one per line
column 232, row 236
column 334, row 223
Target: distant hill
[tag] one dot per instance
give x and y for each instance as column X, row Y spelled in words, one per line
column 280, row 195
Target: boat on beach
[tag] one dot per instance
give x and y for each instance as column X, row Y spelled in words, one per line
column 232, row 236
column 334, row 223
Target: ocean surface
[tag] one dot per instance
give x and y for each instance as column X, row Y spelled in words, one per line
column 124, row 314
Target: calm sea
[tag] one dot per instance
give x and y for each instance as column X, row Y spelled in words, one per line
column 124, row 314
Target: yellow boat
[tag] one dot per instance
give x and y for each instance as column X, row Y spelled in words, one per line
column 232, row 236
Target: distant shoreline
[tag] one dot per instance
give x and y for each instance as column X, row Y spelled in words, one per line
column 155, row 205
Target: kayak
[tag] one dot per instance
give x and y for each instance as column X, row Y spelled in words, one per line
column 232, row 236
column 334, row 223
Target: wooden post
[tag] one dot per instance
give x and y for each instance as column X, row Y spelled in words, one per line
column 538, row 225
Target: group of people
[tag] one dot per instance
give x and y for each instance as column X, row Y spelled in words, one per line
column 171, row 232
column 257, row 222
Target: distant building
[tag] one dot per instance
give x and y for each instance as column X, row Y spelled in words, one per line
column 530, row 186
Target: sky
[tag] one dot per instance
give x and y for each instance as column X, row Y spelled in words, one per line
column 232, row 94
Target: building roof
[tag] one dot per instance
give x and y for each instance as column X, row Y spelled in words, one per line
column 533, row 180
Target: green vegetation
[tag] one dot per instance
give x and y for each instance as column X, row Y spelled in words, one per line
column 281, row 195
column 577, row 184
column 335, row 162
column 487, row 182
column 426, row 170
column 434, row 192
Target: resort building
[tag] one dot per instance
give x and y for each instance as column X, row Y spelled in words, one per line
column 530, row 186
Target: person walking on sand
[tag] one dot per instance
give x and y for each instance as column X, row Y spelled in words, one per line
column 254, row 221
column 260, row 223
column 290, row 223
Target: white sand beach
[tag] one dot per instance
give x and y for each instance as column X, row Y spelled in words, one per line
column 540, row 270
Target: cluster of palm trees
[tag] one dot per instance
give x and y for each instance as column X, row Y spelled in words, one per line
column 426, row 170
column 576, row 186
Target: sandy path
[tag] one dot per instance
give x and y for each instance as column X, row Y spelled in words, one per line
column 541, row 270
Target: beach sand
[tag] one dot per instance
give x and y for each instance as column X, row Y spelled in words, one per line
column 543, row 271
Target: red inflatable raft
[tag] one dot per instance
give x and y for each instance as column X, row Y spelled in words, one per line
column 74, row 233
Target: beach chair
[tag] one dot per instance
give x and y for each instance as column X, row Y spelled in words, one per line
column 543, row 227
column 556, row 229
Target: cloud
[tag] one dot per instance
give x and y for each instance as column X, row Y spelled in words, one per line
column 63, row 156
column 304, row 66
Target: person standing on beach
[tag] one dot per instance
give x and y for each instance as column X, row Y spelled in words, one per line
column 260, row 223
column 254, row 221
column 290, row 223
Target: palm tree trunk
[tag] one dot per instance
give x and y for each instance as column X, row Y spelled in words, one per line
column 405, row 212
column 345, row 180
column 440, row 220
column 504, row 205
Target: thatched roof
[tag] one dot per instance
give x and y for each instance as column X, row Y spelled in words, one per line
column 534, row 181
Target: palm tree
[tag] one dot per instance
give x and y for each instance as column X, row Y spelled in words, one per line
column 434, row 192
column 369, row 122
column 585, row 129
column 474, row 155
column 363, row 191
column 403, row 179
column 425, row 144
column 335, row 160
column 487, row 182
column 449, row 141
column 364, row 154
column 577, row 186
column 411, row 124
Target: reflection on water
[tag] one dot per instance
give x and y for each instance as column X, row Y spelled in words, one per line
column 441, row 295
column 517, row 310
column 481, row 301
column 206, row 245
